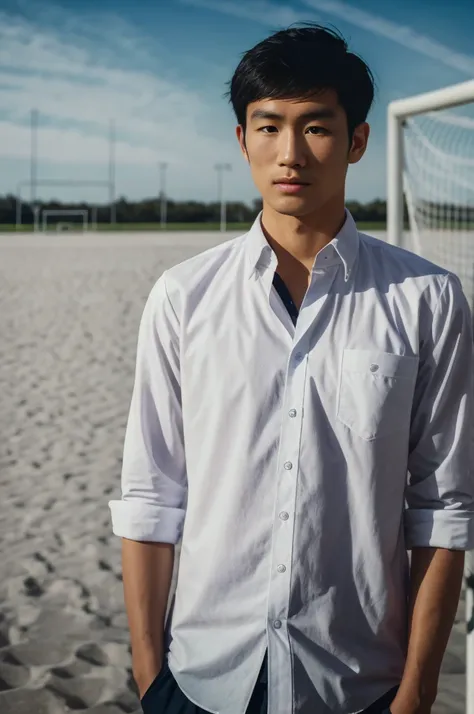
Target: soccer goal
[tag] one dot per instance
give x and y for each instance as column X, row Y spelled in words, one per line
column 82, row 215
column 430, row 165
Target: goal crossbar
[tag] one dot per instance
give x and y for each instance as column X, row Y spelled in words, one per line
column 447, row 97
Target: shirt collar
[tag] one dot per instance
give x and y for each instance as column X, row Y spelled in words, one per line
column 344, row 246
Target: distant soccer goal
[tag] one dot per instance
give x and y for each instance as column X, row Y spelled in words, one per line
column 431, row 164
column 79, row 220
column 61, row 184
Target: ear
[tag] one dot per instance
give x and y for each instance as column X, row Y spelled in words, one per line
column 360, row 139
column 240, row 132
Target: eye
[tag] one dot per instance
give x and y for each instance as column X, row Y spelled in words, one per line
column 318, row 130
column 272, row 128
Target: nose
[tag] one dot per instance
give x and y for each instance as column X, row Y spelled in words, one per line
column 291, row 150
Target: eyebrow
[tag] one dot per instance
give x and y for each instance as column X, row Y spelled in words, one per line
column 315, row 115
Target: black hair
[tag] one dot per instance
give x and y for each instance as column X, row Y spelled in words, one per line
column 298, row 63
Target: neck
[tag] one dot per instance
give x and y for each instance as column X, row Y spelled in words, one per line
column 301, row 238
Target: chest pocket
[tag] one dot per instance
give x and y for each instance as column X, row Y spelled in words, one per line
column 376, row 392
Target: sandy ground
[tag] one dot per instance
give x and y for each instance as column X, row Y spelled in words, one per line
column 69, row 312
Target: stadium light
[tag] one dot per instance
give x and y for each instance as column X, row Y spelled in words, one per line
column 220, row 168
column 163, row 201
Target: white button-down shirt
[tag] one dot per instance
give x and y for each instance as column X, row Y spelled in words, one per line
column 298, row 463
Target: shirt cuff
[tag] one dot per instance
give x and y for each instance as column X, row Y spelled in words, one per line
column 426, row 528
column 137, row 520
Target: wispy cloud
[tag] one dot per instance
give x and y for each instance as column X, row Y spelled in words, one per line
column 269, row 14
column 402, row 34
column 79, row 80
column 261, row 11
column 70, row 84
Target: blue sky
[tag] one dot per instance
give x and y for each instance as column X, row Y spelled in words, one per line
column 159, row 70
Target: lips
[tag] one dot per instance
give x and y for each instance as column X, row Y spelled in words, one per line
column 291, row 182
column 290, row 187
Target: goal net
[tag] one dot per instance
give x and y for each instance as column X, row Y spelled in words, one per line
column 439, row 190
column 432, row 153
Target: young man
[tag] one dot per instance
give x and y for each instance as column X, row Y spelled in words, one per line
column 300, row 418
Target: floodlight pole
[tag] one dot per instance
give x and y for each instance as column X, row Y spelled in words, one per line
column 163, row 201
column 112, row 142
column 220, row 168
column 34, row 155
column 19, row 206
column 36, row 216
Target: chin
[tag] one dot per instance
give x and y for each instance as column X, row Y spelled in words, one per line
column 293, row 206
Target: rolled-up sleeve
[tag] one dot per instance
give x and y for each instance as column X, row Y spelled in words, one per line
column 440, row 488
column 153, row 480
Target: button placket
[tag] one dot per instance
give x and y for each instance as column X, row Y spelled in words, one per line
column 282, row 542
column 279, row 591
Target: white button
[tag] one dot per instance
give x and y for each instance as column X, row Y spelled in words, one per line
column 288, row 465
column 281, row 568
column 284, row 516
column 277, row 624
column 292, row 412
column 374, row 367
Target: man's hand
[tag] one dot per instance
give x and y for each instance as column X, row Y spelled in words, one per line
column 407, row 702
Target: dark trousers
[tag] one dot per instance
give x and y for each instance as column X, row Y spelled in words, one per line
column 165, row 697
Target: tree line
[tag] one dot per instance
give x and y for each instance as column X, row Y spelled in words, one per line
column 148, row 210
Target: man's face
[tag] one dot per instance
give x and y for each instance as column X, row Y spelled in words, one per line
column 300, row 140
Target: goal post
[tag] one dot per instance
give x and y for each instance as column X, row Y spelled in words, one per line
column 430, row 169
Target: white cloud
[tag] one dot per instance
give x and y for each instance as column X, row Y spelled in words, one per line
column 78, row 81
